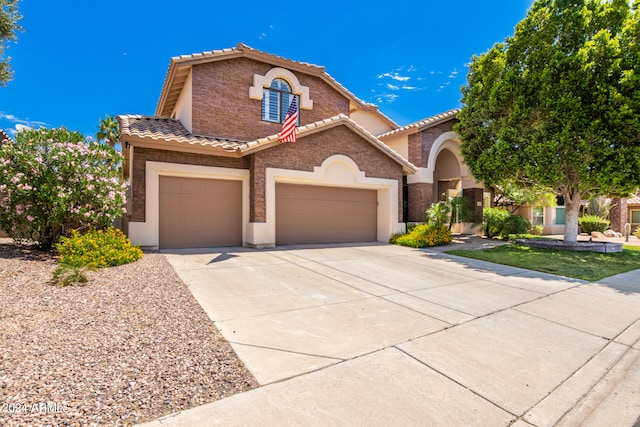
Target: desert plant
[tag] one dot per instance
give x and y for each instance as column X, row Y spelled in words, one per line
column 599, row 207
column 591, row 223
column 438, row 213
column 73, row 271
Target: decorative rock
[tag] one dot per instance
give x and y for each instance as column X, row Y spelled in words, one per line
column 611, row 233
column 597, row 235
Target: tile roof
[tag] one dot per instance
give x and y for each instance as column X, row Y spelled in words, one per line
column 634, row 200
column 171, row 130
column 165, row 129
column 423, row 124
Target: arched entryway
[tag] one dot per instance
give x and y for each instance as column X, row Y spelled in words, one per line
column 446, row 176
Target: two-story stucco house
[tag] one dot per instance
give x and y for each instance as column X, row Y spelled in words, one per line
column 208, row 169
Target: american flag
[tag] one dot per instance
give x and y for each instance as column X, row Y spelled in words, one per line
column 288, row 133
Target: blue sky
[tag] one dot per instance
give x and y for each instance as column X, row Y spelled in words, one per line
column 77, row 61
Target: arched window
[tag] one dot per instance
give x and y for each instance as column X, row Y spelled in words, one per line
column 276, row 100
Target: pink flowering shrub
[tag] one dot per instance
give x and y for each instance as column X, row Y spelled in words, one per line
column 53, row 181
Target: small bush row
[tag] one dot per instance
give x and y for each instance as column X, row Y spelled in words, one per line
column 423, row 236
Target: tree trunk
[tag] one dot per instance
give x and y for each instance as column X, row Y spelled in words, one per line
column 572, row 211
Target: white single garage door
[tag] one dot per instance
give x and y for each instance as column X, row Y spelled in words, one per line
column 197, row 213
column 314, row 214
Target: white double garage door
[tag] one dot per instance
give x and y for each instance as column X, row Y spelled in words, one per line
column 200, row 212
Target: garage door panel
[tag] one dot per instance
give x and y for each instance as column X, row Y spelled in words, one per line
column 196, row 212
column 314, row 214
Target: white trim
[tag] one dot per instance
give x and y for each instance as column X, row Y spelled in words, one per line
column 336, row 171
column 147, row 233
column 261, row 82
column 447, row 141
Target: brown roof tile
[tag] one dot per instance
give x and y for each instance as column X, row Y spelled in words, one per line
column 171, row 130
column 423, row 124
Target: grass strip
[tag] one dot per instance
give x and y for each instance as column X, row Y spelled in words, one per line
column 590, row 266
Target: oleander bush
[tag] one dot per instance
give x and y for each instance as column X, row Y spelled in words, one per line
column 53, row 181
column 105, row 248
column 425, row 236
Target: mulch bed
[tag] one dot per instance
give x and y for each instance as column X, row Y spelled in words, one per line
column 129, row 346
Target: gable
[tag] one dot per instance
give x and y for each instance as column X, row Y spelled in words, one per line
column 181, row 67
column 223, row 104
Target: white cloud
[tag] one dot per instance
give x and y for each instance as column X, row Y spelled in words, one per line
column 386, row 98
column 392, row 87
column 22, row 122
column 394, row 76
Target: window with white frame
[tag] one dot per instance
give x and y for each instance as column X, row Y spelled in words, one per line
column 537, row 216
column 276, row 100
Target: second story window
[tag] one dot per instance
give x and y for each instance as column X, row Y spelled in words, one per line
column 276, row 100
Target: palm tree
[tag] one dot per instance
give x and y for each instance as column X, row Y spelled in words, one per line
column 108, row 130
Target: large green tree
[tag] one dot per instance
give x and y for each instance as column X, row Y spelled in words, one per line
column 557, row 105
column 9, row 17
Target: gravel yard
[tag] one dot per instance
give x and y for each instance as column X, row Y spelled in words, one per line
column 129, row 346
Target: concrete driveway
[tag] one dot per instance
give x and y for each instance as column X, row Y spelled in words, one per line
column 386, row 335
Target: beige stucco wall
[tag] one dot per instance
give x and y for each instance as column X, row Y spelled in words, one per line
column 400, row 145
column 183, row 110
column 371, row 122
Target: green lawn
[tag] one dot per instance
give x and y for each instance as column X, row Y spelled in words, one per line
column 589, row 266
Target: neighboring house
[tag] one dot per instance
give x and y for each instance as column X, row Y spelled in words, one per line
column 208, row 169
column 625, row 211
column 551, row 218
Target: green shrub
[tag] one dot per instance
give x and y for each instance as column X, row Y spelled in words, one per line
column 493, row 221
column 426, row 235
column 105, row 248
column 394, row 237
column 514, row 225
column 536, row 230
column 637, row 233
column 591, row 223
column 499, row 222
